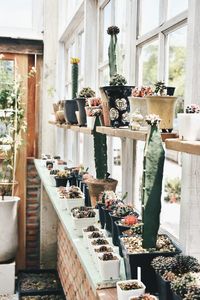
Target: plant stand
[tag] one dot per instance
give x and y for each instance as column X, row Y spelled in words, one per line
column 7, row 279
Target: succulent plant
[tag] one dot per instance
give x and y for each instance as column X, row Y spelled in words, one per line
column 108, row 256
column 122, row 211
column 100, row 242
column 86, row 92
column 74, row 61
column 193, row 108
column 112, row 31
column 91, row 228
column 130, row 285
column 103, row 249
column 142, row 92
column 193, row 293
column 163, row 264
column 118, row 79
column 159, row 88
column 144, row 297
column 185, row 264
column 95, row 234
column 83, row 212
column 182, row 285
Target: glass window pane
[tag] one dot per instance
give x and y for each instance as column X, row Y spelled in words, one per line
column 6, row 72
column 104, row 76
column 16, row 14
column 121, row 22
column 106, row 23
column 176, row 7
column 149, row 15
column 149, row 64
column 81, row 53
column 176, row 63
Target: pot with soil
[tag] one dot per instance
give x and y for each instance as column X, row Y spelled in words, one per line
column 129, row 288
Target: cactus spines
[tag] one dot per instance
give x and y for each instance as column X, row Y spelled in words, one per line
column 100, row 152
column 153, row 164
column 74, row 61
column 112, row 31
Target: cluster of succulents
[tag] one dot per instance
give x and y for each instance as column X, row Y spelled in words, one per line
column 54, row 172
column 83, row 212
column 93, row 111
column 142, row 92
column 38, row 282
column 62, row 174
column 124, row 210
column 86, row 92
column 187, row 286
column 152, row 119
column 95, row 235
column 103, row 249
column 107, row 196
column 130, row 285
column 100, row 242
column 117, row 80
column 108, row 256
column 193, row 108
column 91, row 228
column 70, row 192
column 163, row 264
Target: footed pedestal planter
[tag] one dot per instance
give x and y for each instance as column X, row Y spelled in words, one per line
column 8, row 228
column 117, row 105
column 138, row 105
column 189, row 126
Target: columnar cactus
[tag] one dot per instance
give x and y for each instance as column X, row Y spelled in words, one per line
column 112, row 31
column 100, row 152
column 153, row 164
column 74, row 61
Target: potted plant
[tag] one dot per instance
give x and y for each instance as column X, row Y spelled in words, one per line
column 81, row 217
column 109, row 266
column 70, row 106
column 85, row 93
column 13, row 124
column 138, row 103
column 144, row 297
column 129, row 288
column 61, row 178
column 163, row 105
column 115, row 96
column 101, row 182
column 188, row 123
column 104, row 200
column 150, row 244
column 93, row 109
column 71, row 196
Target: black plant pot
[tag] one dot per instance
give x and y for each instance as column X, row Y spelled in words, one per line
column 115, row 238
column 61, row 181
column 108, row 225
column 143, row 260
column 117, row 97
column 164, row 289
column 81, row 108
column 101, row 215
column 170, row 90
column 175, row 297
column 85, row 190
column 70, row 106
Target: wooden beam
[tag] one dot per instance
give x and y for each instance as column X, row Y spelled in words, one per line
column 183, row 146
column 21, row 46
column 123, row 133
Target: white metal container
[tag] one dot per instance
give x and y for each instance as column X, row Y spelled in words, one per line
column 127, row 294
column 109, row 269
column 69, row 203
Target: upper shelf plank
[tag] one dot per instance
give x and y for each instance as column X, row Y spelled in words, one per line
column 76, row 128
column 183, row 146
column 123, row 133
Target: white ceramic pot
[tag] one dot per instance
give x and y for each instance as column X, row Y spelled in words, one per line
column 86, row 233
column 90, row 121
column 8, row 228
column 80, row 223
column 69, row 203
column 189, row 126
column 127, row 294
column 109, row 269
column 138, row 105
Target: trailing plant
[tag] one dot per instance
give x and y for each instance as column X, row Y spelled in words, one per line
column 153, row 164
column 74, row 61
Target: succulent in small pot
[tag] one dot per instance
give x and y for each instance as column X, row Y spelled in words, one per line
column 95, row 235
column 83, row 212
column 129, row 288
column 61, row 178
column 71, row 197
column 91, row 228
column 99, row 242
column 109, row 266
column 81, row 217
column 103, row 249
column 144, row 297
column 85, row 93
column 187, row 286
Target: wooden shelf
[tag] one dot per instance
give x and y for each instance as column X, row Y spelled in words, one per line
column 123, row 133
column 183, row 146
column 83, row 129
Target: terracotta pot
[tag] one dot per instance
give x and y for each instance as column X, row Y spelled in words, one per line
column 117, row 106
column 164, row 106
column 96, row 186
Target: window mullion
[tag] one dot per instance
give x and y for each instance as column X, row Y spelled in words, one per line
column 161, row 57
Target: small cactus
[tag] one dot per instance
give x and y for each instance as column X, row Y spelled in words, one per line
column 87, row 92
column 118, row 79
column 74, row 61
column 112, row 31
column 185, row 264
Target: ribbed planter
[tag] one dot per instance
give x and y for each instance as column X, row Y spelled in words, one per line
column 8, row 228
column 116, row 104
column 81, row 108
column 70, row 106
column 164, row 106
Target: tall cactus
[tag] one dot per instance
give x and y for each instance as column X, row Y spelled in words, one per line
column 100, row 152
column 74, row 61
column 112, row 31
column 153, row 164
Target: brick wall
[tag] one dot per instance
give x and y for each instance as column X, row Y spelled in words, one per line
column 32, row 216
column 72, row 275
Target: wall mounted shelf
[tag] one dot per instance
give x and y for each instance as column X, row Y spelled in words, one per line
column 183, row 146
